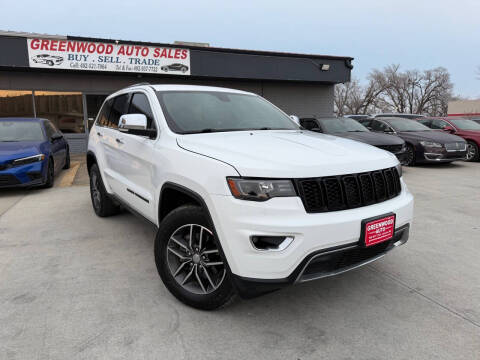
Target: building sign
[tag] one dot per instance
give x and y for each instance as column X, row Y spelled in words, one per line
column 95, row 56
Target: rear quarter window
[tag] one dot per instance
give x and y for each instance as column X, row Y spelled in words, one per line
column 104, row 113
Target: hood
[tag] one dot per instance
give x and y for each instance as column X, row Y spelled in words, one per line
column 14, row 150
column 438, row 136
column 288, row 154
column 371, row 138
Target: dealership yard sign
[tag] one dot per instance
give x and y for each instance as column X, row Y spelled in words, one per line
column 95, row 56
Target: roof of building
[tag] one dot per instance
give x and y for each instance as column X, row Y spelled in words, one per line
column 178, row 44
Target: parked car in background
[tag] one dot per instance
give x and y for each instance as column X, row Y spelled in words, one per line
column 424, row 145
column 465, row 128
column 398, row 115
column 352, row 129
column 358, row 117
column 245, row 200
column 32, row 152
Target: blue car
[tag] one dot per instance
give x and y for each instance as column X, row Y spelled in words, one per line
column 32, row 152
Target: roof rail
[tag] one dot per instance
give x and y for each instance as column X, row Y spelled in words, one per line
column 139, row 84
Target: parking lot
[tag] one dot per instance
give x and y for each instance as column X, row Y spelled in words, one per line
column 75, row 286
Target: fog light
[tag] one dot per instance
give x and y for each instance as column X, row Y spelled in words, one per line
column 271, row 243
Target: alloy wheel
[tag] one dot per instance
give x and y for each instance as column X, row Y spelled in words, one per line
column 410, row 156
column 471, row 152
column 194, row 260
column 95, row 189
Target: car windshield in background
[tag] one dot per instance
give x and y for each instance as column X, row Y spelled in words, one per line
column 189, row 112
column 340, row 125
column 399, row 124
column 465, row 124
column 11, row 131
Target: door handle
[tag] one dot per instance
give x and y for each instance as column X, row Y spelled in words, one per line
column 100, row 134
column 119, row 141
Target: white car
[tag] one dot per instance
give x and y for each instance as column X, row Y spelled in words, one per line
column 245, row 201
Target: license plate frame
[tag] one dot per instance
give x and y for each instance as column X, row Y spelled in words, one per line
column 371, row 237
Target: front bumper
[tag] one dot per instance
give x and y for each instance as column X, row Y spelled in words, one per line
column 447, row 157
column 401, row 156
column 237, row 220
column 23, row 176
column 324, row 263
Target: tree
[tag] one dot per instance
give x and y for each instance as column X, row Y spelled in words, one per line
column 391, row 90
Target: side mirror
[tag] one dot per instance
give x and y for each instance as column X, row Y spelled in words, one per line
column 296, row 119
column 449, row 129
column 135, row 124
column 56, row 136
column 133, row 121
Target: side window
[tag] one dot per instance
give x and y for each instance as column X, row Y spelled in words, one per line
column 140, row 105
column 49, row 129
column 309, row 124
column 366, row 123
column 439, row 124
column 426, row 122
column 105, row 113
column 378, row 126
column 119, row 108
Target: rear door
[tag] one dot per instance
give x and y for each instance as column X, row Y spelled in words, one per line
column 137, row 160
column 111, row 144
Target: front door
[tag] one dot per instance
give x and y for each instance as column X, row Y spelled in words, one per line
column 137, row 160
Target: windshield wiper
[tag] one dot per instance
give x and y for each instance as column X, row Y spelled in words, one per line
column 9, row 140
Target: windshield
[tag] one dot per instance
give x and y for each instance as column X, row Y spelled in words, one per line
column 339, row 125
column 465, row 124
column 20, row 131
column 189, row 112
column 407, row 125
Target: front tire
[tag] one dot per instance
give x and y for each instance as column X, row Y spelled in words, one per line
column 49, row 180
column 410, row 156
column 67, row 160
column 102, row 203
column 472, row 152
column 189, row 260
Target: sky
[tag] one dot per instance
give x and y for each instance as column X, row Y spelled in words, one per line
column 417, row 34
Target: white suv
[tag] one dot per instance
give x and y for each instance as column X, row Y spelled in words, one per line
column 244, row 199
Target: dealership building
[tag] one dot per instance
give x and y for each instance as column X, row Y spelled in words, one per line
column 66, row 78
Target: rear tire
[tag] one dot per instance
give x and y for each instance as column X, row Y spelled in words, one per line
column 102, row 203
column 189, row 260
column 472, row 152
column 410, row 156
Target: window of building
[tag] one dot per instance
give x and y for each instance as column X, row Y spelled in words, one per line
column 63, row 109
column 16, row 103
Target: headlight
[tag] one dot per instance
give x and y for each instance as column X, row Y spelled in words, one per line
column 260, row 189
column 399, row 169
column 28, row 160
column 431, row 144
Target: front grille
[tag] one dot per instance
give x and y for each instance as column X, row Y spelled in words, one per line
column 391, row 148
column 7, row 180
column 456, row 146
column 343, row 192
